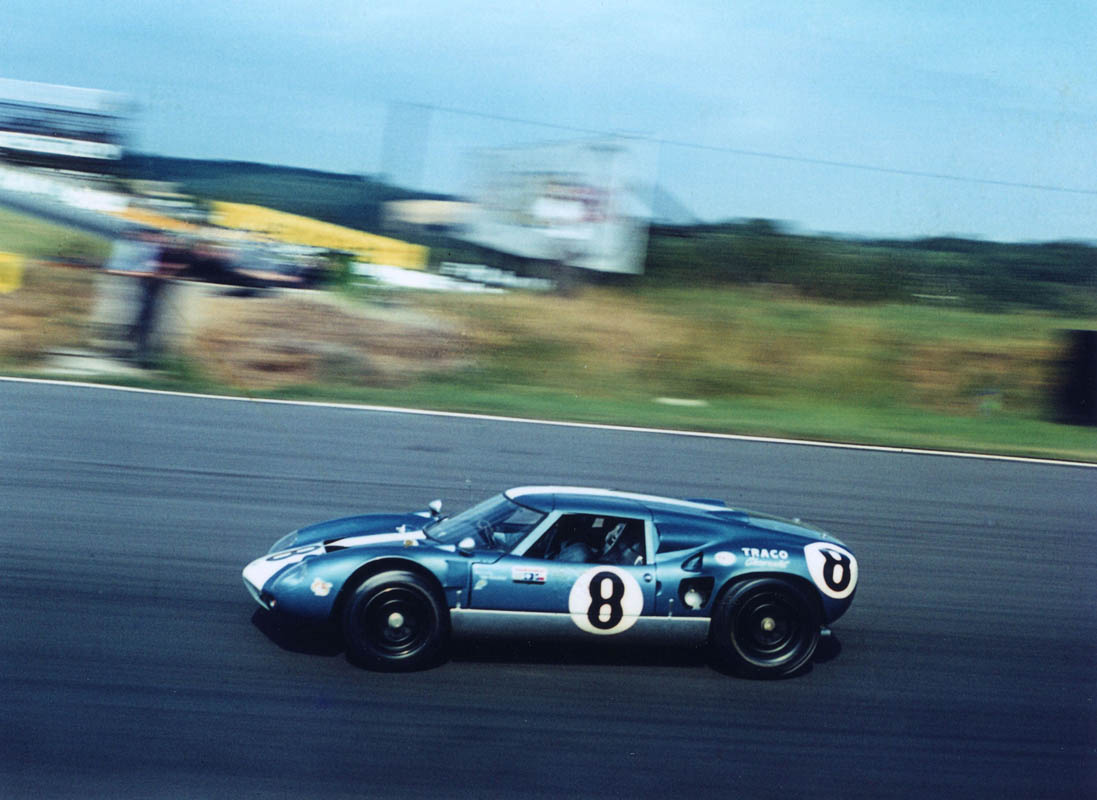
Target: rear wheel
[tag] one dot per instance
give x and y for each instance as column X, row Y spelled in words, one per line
column 395, row 621
column 764, row 627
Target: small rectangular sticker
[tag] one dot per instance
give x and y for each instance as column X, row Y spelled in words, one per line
column 528, row 574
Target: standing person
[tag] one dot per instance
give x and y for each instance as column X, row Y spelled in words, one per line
column 166, row 263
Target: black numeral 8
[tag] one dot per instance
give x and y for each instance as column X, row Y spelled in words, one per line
column 599, row 601
column 836, row 570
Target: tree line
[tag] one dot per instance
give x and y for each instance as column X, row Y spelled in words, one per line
column 1055, row 276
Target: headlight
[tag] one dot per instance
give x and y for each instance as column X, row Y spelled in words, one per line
column 292, row 576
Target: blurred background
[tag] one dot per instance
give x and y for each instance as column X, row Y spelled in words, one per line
column 860, row 224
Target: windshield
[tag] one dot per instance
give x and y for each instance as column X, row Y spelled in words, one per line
column 497, row 522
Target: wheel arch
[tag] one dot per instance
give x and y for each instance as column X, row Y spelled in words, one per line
column 806, row 587
column 377, row 566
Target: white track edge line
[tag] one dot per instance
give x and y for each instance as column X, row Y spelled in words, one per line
column 879, row 448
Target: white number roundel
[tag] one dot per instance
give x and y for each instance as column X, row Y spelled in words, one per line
column 605, row 600
column 833, row 568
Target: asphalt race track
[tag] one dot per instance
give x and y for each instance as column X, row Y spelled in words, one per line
column 134, row 664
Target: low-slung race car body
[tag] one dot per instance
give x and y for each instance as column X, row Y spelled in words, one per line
column 542, row 562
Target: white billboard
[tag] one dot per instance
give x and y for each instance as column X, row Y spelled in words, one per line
column 42, row 119
column 57, row 145
column 584, row 204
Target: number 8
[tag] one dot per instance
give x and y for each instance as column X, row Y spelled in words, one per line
column 599, row 601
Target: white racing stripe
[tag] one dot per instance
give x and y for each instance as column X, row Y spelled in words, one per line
column 261, row 570
column 521, row 491
column 378, row 538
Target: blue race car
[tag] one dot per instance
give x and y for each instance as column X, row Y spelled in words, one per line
column 547, row 562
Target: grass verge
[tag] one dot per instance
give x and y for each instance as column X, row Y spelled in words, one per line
column 747, row 361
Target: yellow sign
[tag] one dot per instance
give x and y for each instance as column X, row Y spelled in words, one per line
column 296, row 229
column 151, row 219
column 11, row 272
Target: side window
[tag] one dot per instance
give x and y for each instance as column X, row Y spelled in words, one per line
column 592, row 539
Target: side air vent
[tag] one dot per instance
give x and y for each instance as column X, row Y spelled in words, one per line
column 695, row 592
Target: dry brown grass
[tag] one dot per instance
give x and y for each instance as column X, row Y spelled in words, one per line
column 607, row 342
column 47, row 312
column 596, row 338
column 719, row 345
column 956, row 377
column 286, row 340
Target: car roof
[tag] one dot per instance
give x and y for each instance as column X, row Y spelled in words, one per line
column 581, row 498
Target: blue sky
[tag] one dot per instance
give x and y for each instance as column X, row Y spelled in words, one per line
column 828, row 115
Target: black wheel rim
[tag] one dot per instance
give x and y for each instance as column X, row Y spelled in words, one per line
column 768, row 628
column 396, row 622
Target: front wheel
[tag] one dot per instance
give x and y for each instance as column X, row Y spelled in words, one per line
column 765, row 628
column 395, row 621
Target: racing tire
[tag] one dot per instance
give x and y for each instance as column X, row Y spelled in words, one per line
column 764, row 628
column 395, row 621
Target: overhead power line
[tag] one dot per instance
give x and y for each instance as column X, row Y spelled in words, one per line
column 823, row 162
